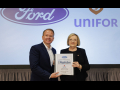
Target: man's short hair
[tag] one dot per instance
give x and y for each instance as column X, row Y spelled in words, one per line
column 50, row 30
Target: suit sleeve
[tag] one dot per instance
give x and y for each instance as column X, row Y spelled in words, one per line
column 85, row 66
column 62, row 51
column 34, row 61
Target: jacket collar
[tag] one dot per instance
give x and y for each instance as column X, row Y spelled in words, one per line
column 47, row 47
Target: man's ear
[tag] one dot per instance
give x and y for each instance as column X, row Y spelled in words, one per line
column 42, row 37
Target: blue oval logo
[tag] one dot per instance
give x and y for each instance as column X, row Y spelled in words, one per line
column 64, row 56
column 35, row 16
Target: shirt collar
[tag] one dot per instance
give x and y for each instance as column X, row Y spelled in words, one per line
column 47, row 47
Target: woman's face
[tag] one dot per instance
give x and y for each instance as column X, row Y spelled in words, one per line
column 73, row 41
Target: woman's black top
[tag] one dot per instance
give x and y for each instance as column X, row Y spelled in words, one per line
column 80, row 56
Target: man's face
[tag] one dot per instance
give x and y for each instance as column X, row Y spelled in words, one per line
column 48, row 37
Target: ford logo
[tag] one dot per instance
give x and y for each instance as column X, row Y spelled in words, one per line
column 64, row 56
column 35, row 16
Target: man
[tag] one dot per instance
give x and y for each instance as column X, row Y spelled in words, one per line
column 42, row 59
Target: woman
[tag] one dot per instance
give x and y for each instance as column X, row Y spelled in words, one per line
column 80, row 63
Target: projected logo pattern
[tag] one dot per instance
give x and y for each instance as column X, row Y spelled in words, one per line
column 46, row 16
column 96, row 10
column 35, row 16
column 95, row 22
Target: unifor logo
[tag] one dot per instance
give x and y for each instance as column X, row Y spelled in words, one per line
column 96, row 10
column 35, row 16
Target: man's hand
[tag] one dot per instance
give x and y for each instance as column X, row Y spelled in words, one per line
column 54, row 75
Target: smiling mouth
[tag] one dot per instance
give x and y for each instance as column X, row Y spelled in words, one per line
column 48, row 40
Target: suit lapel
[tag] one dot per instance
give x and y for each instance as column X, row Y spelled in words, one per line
column 53, row 53
column 45, row 53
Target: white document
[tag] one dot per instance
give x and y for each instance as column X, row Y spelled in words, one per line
column 63, row 64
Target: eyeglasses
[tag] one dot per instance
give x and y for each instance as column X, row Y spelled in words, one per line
column 73, row 40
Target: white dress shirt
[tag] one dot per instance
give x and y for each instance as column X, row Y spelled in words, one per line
column 50, row 53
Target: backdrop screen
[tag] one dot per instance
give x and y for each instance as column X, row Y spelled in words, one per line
column 97, row 28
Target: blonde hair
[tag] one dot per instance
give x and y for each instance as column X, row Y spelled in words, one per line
column 73, row 34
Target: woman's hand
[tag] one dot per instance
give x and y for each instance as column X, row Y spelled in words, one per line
column 76, row 64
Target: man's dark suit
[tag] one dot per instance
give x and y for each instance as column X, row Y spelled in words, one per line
column 40, row 63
